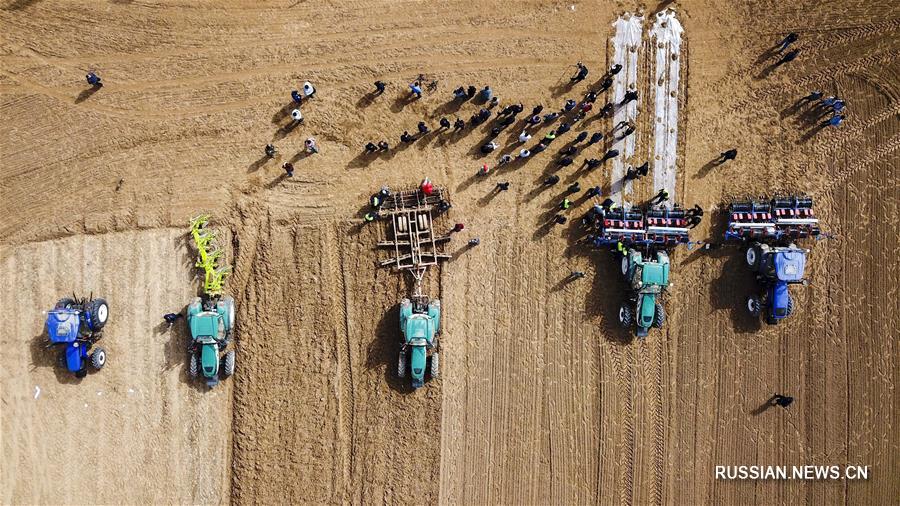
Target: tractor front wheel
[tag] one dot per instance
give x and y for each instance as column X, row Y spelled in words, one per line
column 436, row 365
column 625, row 316
column 230, row 316
column 99, row 313
column 65, row 303
column 98, row 358
column 193, row 366
column 755, row 256
column 659, row 317
column 753, row 305
column 229, row 363
column 401, row 365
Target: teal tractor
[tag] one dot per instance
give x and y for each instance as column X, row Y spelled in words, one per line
column 647, row 277
column 420, row 324
column 211, row 321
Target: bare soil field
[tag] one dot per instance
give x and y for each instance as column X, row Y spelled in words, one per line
column 137, row 431
column 542, row 399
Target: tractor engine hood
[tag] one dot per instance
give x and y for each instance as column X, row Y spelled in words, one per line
column 205, row 324
column 419, row 327
column 209, row 360
column 647, row 311
column 790, row 264
column 655, row 274
column 417, row 360
column 63, row 325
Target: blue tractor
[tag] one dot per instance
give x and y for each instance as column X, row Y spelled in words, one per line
column 420, row 324
column 776, row 267
column 769, row 228
column 77, row 324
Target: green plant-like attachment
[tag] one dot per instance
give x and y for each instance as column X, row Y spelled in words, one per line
column 208, row 255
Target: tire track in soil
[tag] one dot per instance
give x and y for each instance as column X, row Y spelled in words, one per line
column 880, row 152
column 347, row 409
column 839, row 144
column 625, row 386
column 142, row 274
column 845, row 36
column 838, row 70
column 653, row 370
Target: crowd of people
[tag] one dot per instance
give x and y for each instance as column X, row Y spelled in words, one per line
column 559, row 123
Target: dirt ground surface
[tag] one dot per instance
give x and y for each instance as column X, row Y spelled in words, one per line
column 137, row 431
column 542, row 398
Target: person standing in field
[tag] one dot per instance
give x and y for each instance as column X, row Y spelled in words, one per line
column 834, row 121
column 309, row 90
column 581, row 74
column 731, row 154
column 630, row 96
column 416, row 89
column 787, row 41
column 782, row 400
column 94, row 80
column 612, row 153
column 788, row 57
column 660, row 197
column 171, row 318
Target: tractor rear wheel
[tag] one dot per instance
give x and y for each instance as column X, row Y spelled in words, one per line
column 790, row 306
column 755, row 254
column 436, row 365
column 401, row 365
column 659, row 317
column 65, row 303
column 229, row 363
column 98, row 358
column 193, row 366
column 625, row 315
column 194, row 307
column 99, row 313
column 753, row 305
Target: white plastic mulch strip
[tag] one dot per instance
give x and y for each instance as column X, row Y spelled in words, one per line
column 667, row 32
column 626, row 44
